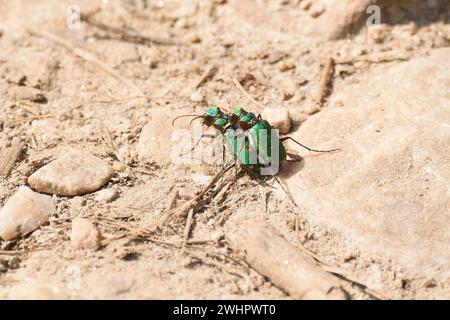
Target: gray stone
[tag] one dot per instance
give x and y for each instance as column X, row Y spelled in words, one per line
column 76, row 173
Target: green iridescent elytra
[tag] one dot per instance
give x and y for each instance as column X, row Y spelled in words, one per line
column 253, row 147
column 249, row 137
column 243, row 133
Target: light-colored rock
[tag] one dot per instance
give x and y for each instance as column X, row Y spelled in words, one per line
column 24, row 212
column 84, row 235
column 75, row 173
column 26, row 93
column 187, row 193
column 196, row 97
column 157, row 132
column 279, row 118
column 106, row 195
column 388, row 189
column 201, row 179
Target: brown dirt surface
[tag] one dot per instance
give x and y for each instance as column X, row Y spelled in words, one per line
column 112, row 86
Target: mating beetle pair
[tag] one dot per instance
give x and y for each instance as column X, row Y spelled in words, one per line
column 251, row 138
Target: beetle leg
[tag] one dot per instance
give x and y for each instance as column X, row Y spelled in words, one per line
column 307, row 148
column 205, row 135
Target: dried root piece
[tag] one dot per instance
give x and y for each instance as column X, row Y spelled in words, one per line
column 320, row 92
column 10, row 157
column 265, row 250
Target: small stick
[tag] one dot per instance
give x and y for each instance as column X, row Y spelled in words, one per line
column 325, row 79
column 375, row 58
column 271, row 255
column 209, row 72
column 87, row 56
column 11, row 157
column 188, row 227
column 120, row 34
column 240, row 87
column 173, row 200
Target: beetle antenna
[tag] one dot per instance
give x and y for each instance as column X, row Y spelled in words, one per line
column 185, row 116
column 195, row 118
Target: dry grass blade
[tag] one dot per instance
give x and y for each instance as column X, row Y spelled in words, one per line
column 240, row 87
column 87, row 56
column 10, row 157
column 212, row 69
column 189, row 220
column 183, row 210
column 122, row 35
column 321, row 90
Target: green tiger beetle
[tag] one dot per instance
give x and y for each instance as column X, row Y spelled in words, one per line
column 253, row 141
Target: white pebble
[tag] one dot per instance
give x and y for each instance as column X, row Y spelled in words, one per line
column 196, row 97
column 106, row 195
column 279, row 118
column 24, row 212
column 201, row 179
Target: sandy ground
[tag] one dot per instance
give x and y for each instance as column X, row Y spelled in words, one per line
column 85, row 107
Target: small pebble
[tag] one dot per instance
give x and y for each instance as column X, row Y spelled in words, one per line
column 196, row 97
column 279, row 118
column 24, row 212
column 305, row 5
column 192, row 38
column 119, row 167
column 302, row 80
column 429, row 283
column 106, row 195
column 201, row 179
column 287, row 65
column 311, row 108
column 78, row 202
column 316, row 10
column 187, row 193
column 76, row 173
column 377, row 33
column 84, row 235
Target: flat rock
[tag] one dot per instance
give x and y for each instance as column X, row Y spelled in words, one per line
column 155, row 143
column 85, row 235
column 24, row 212
column 388, row 189
column 76, row 173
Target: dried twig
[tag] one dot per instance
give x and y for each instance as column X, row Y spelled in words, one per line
column 173, row 200
column 240, row 87
column 10, row 157
column 321, row 90
column 209, row 72
column 270, row 254
column 120, row 34
column 87, row 56
column 189, row 220
column 376, row 58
